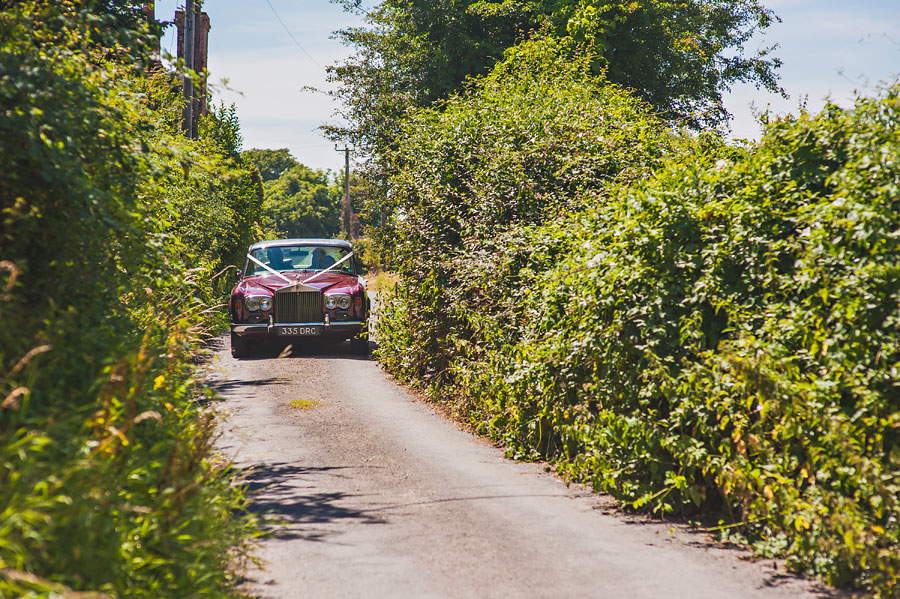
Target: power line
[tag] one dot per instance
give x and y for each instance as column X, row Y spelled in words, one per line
column 288, row 31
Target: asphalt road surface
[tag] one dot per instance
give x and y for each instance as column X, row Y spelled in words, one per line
column 369, row 492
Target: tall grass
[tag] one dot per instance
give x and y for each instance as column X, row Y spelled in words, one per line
column 112, row 227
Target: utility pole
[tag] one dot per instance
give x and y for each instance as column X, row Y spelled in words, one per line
column 189, row 22
column 345, row 220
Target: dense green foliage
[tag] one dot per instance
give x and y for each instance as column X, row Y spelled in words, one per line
column 112, row 228
column 299, row 201
column 271, row 164
column 692, row 327
column 517, row 151
column 677, row 56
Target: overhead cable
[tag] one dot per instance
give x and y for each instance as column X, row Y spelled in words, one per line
column 291, row 35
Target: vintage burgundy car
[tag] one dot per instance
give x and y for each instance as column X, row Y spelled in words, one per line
column 299, row 288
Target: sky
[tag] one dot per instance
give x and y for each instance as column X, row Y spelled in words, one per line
column 829, row 49
column 264, row 53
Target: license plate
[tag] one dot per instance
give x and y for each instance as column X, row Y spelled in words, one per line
column 298, row 331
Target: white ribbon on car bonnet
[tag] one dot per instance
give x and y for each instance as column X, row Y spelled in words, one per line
column 271, row 270
column 315, row 276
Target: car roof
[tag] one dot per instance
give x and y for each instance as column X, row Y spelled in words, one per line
column 341, row 243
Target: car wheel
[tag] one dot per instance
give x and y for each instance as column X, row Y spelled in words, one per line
column 240, row 347
column 360, row 346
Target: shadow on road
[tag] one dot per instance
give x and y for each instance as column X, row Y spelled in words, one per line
column 280, row 495
column 270, row 349
column 227, row 387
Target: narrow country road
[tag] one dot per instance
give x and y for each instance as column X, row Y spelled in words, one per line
column 373, row 494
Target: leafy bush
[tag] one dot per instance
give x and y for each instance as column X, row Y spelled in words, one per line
column 107, row 478
column 721, row 336
column 521, row 147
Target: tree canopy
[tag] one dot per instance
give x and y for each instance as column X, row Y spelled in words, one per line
column 300, row 201
column 677, row 56
column 415, row 52
column 271, row 164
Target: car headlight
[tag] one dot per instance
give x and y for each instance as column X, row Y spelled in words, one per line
column 337, row 300
column 258, row 302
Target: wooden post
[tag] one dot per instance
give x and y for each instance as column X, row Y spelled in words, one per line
column 345, row 220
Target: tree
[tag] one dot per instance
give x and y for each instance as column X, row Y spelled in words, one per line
column 678, row 56
column 415, row 52
column 271, row 164
column 303, row 202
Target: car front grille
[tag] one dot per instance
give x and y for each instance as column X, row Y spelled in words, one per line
column 299, row 306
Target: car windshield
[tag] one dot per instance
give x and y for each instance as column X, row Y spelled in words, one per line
column 300, row 257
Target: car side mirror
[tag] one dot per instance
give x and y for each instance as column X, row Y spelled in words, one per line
column 238, row 274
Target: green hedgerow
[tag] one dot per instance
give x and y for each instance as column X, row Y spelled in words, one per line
column 689, row 326
column 111, row 227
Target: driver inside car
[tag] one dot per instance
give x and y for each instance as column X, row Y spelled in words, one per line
column 277, row 261
column 321, row 260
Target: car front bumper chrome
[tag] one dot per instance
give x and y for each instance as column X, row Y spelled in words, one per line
column 350, row 326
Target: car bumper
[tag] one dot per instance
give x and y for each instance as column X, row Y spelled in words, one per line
column 301, row 329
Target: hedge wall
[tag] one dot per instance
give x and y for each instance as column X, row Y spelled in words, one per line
column 698, row 329
column 111, row 229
